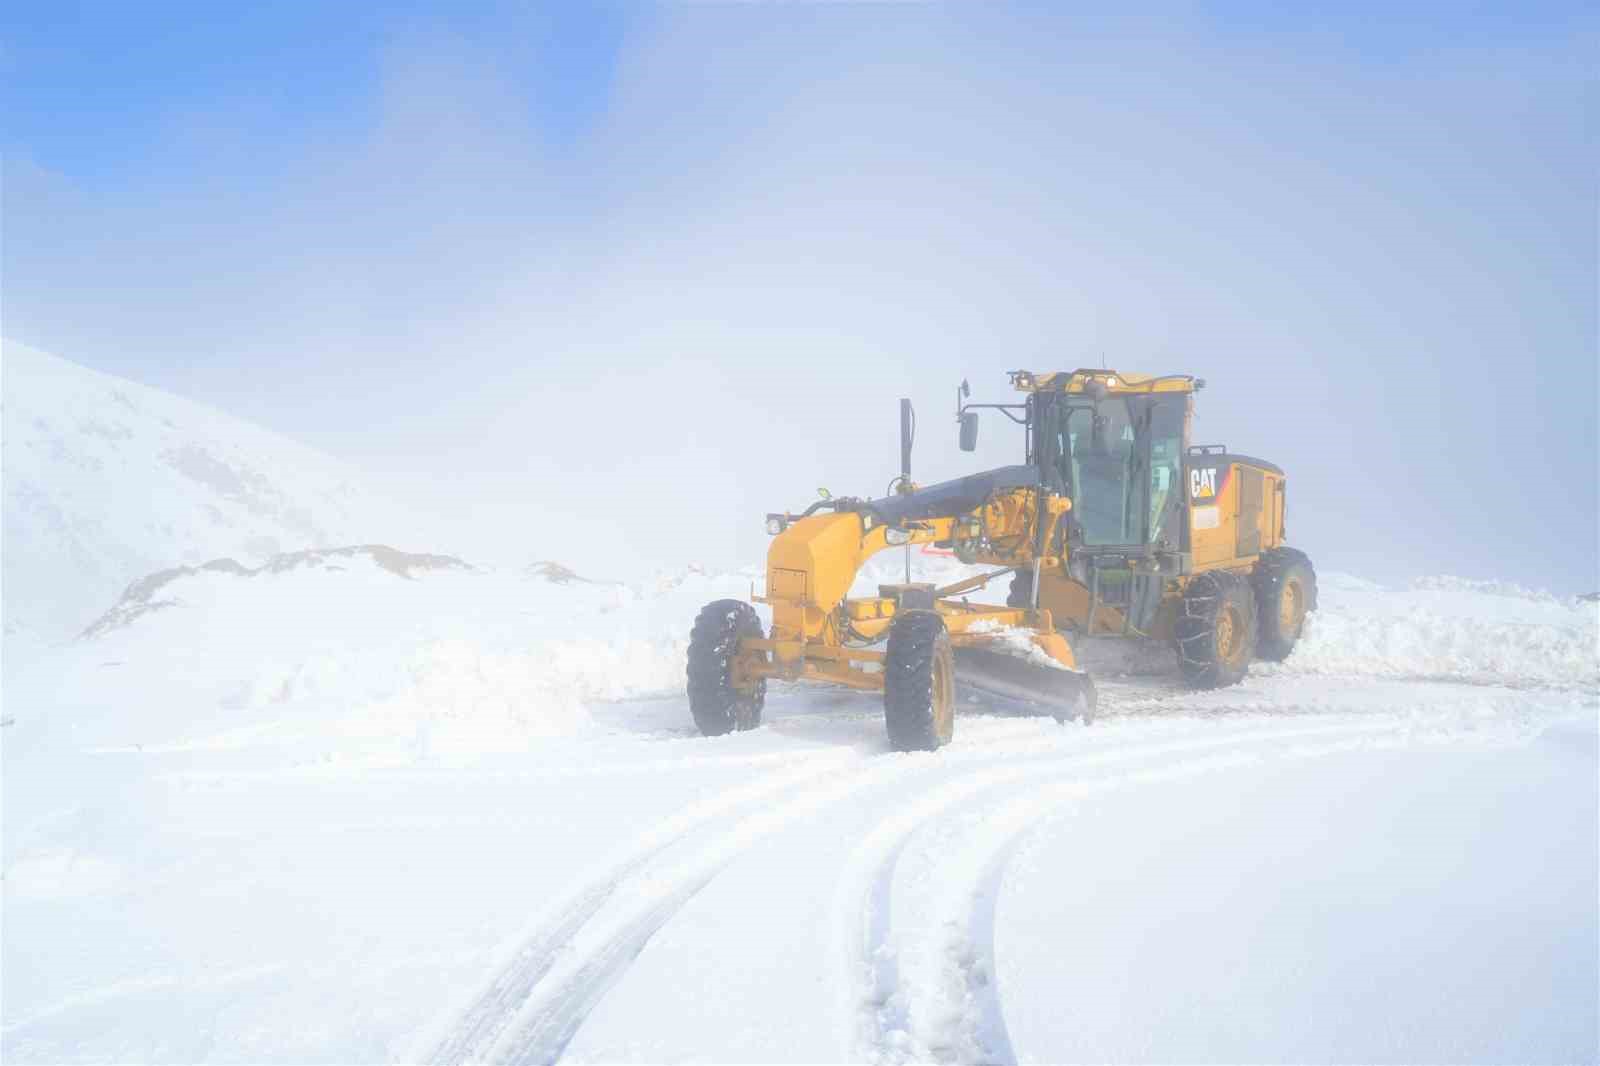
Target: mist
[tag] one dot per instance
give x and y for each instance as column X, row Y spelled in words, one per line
column 620, row 346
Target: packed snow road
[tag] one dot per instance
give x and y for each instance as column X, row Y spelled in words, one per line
column 844, row 905
column 1384, row 852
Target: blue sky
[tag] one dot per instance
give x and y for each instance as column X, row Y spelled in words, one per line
column 96, row 88
column 438, row 240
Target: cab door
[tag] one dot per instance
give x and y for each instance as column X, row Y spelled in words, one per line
column 1210, row 486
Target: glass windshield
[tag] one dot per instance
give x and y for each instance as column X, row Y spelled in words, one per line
column 1120, row 461
column 1099, row 443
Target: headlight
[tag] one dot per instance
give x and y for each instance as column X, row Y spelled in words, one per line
column 897, row 536
column 775, row 524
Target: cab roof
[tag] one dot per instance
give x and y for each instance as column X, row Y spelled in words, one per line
column 1113, row 381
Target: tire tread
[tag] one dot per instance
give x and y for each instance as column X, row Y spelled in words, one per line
column 1272, row 568
column 716, row 705
column 1195, row 630
column 915, row 639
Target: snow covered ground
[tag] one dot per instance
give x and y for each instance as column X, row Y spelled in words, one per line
column 337, row 810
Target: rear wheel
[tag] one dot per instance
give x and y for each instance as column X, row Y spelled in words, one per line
column 919, row 683
column 720, row 700
column 1216, row 629
column 1286, row 591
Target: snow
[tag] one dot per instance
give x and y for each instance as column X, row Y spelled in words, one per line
column 1352, row 916
column 107, row 480
column 371, row 803
column 331, row 813
column 1446, row 629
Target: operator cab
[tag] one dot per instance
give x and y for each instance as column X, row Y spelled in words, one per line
column 1112, row 443
column 1115, row 445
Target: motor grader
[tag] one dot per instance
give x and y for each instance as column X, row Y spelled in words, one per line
column 1113, row 525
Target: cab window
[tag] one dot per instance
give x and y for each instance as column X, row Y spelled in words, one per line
column 1166, row 468
column 1101, row 443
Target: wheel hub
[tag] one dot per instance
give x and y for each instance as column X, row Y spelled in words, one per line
column 944, row 699
column 1290, row 609
column 1229, row 634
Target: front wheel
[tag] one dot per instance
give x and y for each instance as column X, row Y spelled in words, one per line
column 719, row 699
column 919, row 683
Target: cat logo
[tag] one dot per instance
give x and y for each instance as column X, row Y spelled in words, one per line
column 1203, row 483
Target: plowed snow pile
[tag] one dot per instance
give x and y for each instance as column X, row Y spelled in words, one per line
column 347, row 807
column 1447, row 629
column 338, row 657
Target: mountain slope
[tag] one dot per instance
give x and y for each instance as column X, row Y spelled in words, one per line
column 107, row 480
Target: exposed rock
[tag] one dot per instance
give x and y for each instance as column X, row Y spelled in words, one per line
column 396, row 562
column 137, row 600
column 124, row 614
column 557, row 574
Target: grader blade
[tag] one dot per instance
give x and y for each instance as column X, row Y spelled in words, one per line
column 1034, row 684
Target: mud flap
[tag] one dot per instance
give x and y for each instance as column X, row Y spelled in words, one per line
column 1027, row 686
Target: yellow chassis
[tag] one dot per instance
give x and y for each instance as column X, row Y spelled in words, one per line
column 813, row 562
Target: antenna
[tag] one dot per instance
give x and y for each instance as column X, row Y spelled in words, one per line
column 907, row 430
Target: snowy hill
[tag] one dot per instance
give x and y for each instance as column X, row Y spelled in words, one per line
column 107, row 480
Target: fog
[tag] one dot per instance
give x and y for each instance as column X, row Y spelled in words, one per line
column 620, row 348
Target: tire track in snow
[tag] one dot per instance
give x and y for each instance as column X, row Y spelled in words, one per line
column 558, row 1007
column 563, row 965
column 552, row 1005
column 877, row 1007
column 481, row 1021
column 958, row 1015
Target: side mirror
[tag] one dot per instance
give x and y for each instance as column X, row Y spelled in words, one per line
column 969, row 431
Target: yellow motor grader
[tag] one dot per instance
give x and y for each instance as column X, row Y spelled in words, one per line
column 1113, row 525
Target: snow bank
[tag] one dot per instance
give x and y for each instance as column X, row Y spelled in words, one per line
column 1449, row 583
column 342, row 654
column 345, row 655
column 1448, row 629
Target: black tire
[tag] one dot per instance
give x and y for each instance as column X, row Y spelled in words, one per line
column 1285, row 585
column 919, row 683
column 1216, row 629
column 717, row 705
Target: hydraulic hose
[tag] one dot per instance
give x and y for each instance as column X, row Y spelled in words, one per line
column 847, row 503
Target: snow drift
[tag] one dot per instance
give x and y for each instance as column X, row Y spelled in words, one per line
column 382, row 654
column 1448, row 629
column 405, row 655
